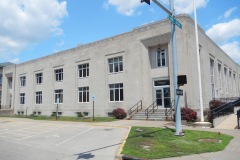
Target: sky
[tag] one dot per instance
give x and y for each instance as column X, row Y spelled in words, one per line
column 31, row 29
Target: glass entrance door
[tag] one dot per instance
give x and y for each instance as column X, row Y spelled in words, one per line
column 162, row 95
column 159, row 97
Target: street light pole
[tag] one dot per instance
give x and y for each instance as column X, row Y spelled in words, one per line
column 177, row 110
column 171, row 13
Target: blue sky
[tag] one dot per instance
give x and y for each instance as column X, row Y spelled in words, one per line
column 31, row 29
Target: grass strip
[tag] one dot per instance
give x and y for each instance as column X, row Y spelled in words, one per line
column 157, row 143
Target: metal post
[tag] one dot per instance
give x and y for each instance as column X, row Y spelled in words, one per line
column 57, row 109
column 178, row 124
column 198, row 63
column 93, row 111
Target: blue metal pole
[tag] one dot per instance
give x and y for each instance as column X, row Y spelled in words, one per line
column 178, row 124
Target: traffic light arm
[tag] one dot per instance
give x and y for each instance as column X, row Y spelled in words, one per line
column 163, row 7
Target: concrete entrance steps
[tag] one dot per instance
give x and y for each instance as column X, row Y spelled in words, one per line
column 158, row 115
column 229, row 123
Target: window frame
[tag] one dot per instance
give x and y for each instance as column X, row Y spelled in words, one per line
column 23, row 80
column 22, row 97
column 58, row 74
column 38, row 97
column 83, row 68
column 116, row 92
column 58, row 93
column 115, row 65
column 39, row 78
column 81, row 92
column 160, row 59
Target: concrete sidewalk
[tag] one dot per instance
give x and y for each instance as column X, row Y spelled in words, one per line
column 231, row 152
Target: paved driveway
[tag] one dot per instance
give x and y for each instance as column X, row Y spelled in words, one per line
column 23, row 139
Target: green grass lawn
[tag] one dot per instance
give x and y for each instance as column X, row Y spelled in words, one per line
column 69, row 118
column 156, row 143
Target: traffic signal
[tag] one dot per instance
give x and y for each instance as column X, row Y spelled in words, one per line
column 181, row 79
column 147, row 1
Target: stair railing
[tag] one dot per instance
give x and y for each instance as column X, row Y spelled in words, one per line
column 169, row 112
column 224, row 109
column 151, row 108
column 135, row 108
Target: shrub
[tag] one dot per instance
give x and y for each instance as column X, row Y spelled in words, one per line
column 188, row 114
column 215, row 104
column 53, row 114
column 119, row 113
column 79, row 114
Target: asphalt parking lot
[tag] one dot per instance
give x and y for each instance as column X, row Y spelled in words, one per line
column 23, row 139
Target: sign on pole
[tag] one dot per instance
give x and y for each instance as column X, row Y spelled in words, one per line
column 174, row 21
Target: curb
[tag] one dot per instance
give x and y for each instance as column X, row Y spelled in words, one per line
column 119, row 156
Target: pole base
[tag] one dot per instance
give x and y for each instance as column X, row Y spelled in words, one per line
column 202, row 124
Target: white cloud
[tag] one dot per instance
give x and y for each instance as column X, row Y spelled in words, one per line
column 128, row 7
column 125, row 7
column 24, row 22
column 229, row 12
column 222, row 32
column 186, row 6
column 233, row 50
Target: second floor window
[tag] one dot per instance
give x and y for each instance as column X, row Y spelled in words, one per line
column 59, row 96
column 115, row 65
column 59, row 74
column 22, row 98
column 161, row 58
column 39, row 97
column 83, row 70
column 39, row 78
column 23, row 81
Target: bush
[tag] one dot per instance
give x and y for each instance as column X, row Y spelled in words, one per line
column 188, row 114
column 119, row 113
column 79, row 114
column 215, row 104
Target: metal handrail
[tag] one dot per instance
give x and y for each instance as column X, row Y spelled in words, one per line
column 224, row 109
column 151, row 108
column 136, row 107
column 170, row 109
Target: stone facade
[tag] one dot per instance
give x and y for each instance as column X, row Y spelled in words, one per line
column 122, row 70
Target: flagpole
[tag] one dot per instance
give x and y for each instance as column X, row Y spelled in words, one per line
column 198, row 63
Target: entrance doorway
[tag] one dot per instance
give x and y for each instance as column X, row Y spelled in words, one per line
column 162, row 95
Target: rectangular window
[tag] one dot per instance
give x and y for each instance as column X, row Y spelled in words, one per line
column 39, row 78
column 59, row 74
column 115, row 65
column 39, row 97
column 230, row 82
column 23, row 81
column 83, row 94
column 226, row 81
column 59, row 96
column 116, row 92
column 0, row 79
column 22, row 98
column 220, row 77
column 212, row 77
column 83, row 70
column 161, row 58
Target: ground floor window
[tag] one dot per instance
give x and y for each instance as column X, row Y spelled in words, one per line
column 39, row 97
column 59, row 96
column 116, row 92
column 22, row 98
column 83, row 94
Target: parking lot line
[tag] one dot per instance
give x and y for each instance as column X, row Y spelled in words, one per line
column 41, row 133
column 73, row 137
